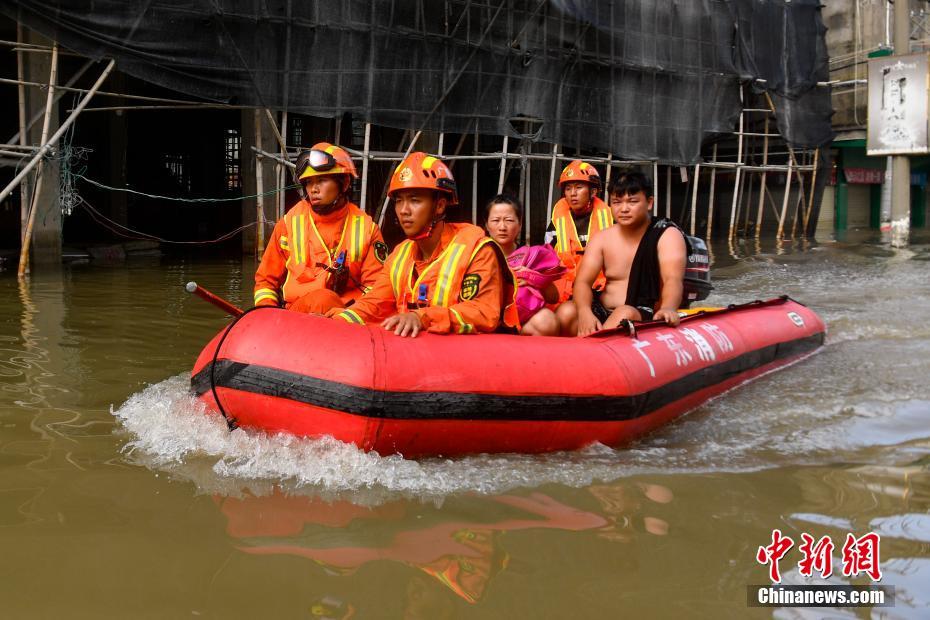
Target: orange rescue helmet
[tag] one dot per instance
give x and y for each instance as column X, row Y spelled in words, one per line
column 324, row 158
column 422, row 171
column 578, row 170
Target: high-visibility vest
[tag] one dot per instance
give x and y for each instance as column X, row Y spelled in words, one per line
column 443, row 282
column 307, row 254
column 568, row 245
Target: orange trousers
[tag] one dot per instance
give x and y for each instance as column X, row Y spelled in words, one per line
column 319, row 301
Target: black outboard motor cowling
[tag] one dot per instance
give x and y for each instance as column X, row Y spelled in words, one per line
column 697, row 284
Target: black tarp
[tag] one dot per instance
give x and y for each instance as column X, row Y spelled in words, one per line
column 642, row 79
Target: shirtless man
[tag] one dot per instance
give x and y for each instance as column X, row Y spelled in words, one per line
column 643, row 260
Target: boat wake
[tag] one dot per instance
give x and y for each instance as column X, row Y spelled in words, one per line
column 169, row 431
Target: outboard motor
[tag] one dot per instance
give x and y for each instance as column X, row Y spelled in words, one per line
column 697, row 284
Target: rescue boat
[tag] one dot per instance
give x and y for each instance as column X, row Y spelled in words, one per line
column 280, row 371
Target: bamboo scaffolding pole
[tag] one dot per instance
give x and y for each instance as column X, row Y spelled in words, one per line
column 58, row 95
column 694, row 193
column 387, row 199
column 549, row 197
column 259, row 189
column 61, row 130
column 40, row 173
column 68, row 88
column 23, row 44
column 655, row 185
column 784, row 205
column 797, row 205
column 282, row 172
column 798, row 209
column 765, row 162
column 274, row 157
column 739, row 160
column 367, row 151
column 746, row 207
column 527, row 202
column 810, row 200
column 607, row 174
column 668, row 191
column 21, row 94
column 503, row 158
column 710, row 205
column 474, row 180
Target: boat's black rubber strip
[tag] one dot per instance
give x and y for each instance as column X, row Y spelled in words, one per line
column 472, row 406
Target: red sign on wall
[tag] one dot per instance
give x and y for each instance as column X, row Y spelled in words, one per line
column 864, row 176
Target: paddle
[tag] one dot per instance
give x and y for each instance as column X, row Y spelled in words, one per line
column 216, row 300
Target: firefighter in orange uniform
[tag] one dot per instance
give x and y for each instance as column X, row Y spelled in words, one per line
column 325, row 252
column 579, row 209
column 445, row 277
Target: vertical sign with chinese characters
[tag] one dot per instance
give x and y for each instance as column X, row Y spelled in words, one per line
column 897, row 105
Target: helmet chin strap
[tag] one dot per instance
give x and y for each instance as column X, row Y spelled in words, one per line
column 429, row 230
column 326, row 209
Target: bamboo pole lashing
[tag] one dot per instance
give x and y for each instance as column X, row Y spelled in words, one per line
column 61, row 130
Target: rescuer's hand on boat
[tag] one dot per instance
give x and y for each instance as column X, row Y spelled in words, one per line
column 587, row 323
column 670, row 316
column 404, row 324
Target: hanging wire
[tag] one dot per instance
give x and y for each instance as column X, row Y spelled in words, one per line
column 70, row 159
column 179, row 199
column 129, row 233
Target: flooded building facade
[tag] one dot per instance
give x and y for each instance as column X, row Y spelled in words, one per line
column 185, row 146
column 859, row 30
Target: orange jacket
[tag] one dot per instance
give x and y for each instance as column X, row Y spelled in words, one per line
column 303, row 240
column 568, row 245
column 461, row 288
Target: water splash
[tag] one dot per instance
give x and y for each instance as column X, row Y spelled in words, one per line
column 171, row 431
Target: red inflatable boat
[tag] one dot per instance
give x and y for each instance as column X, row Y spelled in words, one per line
column 281, row 371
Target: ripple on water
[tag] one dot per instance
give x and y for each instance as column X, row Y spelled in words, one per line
column 171, row 431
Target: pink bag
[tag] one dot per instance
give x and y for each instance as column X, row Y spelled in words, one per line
column 538, row 266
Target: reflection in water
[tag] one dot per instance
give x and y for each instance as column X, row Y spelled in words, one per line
column 836, row 444
column 461, row 553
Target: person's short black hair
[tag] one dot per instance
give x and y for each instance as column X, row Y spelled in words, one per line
column 629, row 183
column 505, row 199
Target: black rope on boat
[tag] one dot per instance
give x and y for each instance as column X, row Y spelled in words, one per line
column 230, row 421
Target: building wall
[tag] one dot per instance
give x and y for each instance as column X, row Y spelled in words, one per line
column 856, row 30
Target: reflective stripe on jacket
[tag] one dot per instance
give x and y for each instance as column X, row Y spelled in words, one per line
column 295, row 260
column 451, row 293
column 568, row 246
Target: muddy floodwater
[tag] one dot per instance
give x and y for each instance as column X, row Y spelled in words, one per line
column 120, row 498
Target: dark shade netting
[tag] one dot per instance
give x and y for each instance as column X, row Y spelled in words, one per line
column 642, row 79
